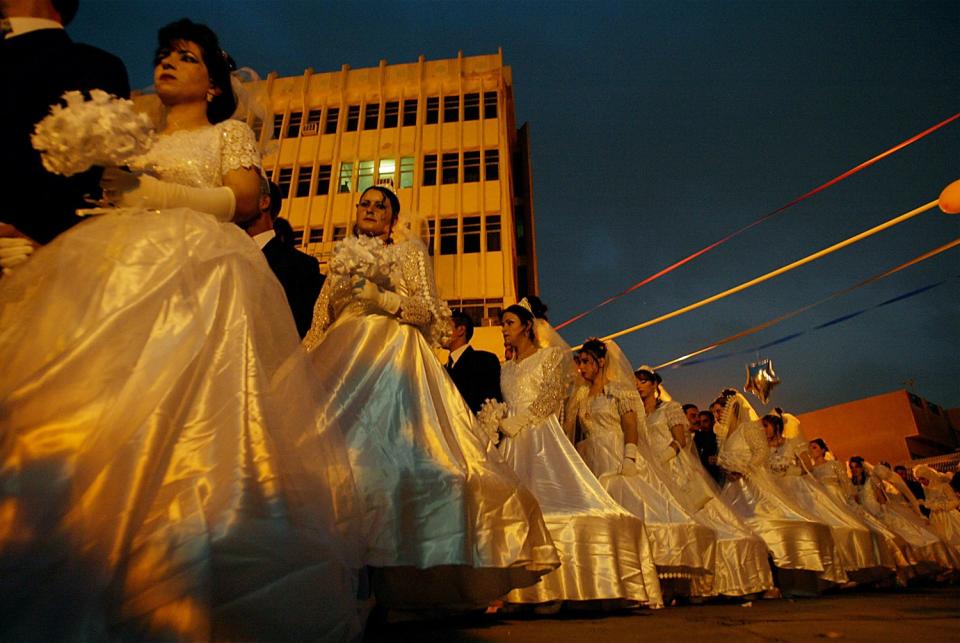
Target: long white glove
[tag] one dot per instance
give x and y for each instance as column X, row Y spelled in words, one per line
column 13, row 252
column 514, row 424
column 385, row 299
column 629, row 466
column 127, row 190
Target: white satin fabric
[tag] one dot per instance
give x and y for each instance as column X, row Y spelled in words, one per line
column 162, row 471
column 446, row 521
column 604, row 550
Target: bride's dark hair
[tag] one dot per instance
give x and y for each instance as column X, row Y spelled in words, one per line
column 218, row 63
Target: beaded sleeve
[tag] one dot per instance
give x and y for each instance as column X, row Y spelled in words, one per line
column 940, row 497
column 238, row 147
column 552, row 387
column 757, row 441
column 422, row 306
column 334, row 294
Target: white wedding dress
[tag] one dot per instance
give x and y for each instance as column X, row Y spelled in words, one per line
column 162, row 471
column 604, row 550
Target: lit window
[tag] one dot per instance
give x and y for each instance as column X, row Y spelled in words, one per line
column 353, row 118
column 433, row 110
column 303, row 181
column 471, row 167
column 277, row 125
column 450, row 169
column 493, row 232
column 491, row 165
column 371, row 116
column 364, row 175
column 448, row 236
column 323, row 179
column 406, row 172
column 471, row 107
column 316, row 235
column 345, row 184
column 339, row 232
column 489, row 104
column 429, row 169
column 387, row 170
column 471, row 234
column 391, row 114
column 293, row 126
column 333, row 118
column 284, row 179
column 410, row 112
column 451, row 109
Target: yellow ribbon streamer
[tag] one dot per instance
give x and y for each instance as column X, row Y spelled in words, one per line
column 779, row 271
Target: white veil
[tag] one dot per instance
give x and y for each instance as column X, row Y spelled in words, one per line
column 736, row 411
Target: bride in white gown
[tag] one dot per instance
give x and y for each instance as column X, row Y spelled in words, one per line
column 604, row 550
column 446, row 521
column 162, row 472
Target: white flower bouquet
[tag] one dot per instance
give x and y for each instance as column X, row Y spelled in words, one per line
column 489, row 417
column 104, row 130
column 361, row 258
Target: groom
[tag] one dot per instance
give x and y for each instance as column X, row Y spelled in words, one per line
column 475, row 373
column 38, row 63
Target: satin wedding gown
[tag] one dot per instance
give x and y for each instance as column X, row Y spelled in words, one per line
column 446, row 521
column 162, row 471
column 604, row 550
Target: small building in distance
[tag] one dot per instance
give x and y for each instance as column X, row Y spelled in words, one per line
column 443, row 134
column 894, row 427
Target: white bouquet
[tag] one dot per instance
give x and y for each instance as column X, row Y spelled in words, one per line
column 362, row 258
column 488, row 419
column 104, row 130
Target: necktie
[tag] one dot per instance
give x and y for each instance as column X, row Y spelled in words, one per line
column 450, row 363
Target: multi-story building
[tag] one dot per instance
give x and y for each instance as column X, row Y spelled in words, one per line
column 443, row 134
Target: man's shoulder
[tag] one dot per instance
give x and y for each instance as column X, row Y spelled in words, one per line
column 484, row 357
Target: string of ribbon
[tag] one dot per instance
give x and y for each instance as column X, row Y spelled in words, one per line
column 678, row 362
column 765, row 217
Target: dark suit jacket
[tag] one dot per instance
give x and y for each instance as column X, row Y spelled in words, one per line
column 37, row 68
column 299, row 274
column 706, row 443
column 477, row 376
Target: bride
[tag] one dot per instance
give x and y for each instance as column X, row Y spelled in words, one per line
column 162, row 470
column 446, row 521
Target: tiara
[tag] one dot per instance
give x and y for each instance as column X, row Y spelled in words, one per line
column 523, row 303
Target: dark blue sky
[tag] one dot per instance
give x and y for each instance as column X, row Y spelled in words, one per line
column 657, row 128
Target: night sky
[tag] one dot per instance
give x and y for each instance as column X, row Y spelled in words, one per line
column 659, row 127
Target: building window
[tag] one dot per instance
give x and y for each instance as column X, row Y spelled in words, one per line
column 303, row 181
column 339, row 232
column 312, row 125
column 406, row 172
column 449, row 172
column 410, row 112
column 314, row 115
column 429, row 169
column 293, row 125
column 433, row 110
column 471, row 167
column 298, row 236
column 353, row 118
column 333, row 118
column 391, row 114
column 316, row 235
column 284, row 179
column 471, row 107
column 471, row 234
column 489, row 104
column 323, row 179
column 364, row 175
column 371, row 116
column 451, row 109
column 345, row 183
column 387, row 173
column 493, row 232
column 277, row 125
column 448, row 236
column 491, row 165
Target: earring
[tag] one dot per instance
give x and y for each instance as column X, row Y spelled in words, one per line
column 209, row 97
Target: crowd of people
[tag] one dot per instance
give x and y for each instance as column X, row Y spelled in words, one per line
column 202, row 437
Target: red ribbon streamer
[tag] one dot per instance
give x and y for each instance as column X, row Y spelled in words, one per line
column 760, row 220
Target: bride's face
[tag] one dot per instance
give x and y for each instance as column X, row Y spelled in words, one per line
column 587, row 366
column 514, row 330
column 181, row 76
column 374, row 214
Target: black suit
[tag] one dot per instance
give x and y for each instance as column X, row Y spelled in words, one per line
column 37, row 68
column 706, row 443
column 477, row 376
column 299, row 274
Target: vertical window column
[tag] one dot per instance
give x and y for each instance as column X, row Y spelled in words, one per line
column 429, row 169
column 471, row 167
column 409, row 112
column 293, row 125
column 489, row 104
column 323, row 180
column 451, row 109
column 371, row 116
column 391, row 114
column 433, row 110
column 333, row 119
column 353, row 118
column 491, row 165
column 303, row 181
column 471, row 107
column 450, row 168
column 284, row 179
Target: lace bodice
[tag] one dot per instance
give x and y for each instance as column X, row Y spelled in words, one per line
column 783, row 459
column 534, row 388
column 200, row 157
column 665, row 415
column 403, row 268
column 744, row 449
column 600, row 414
